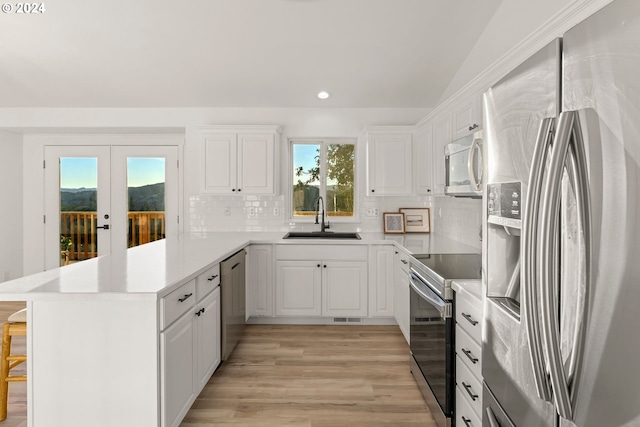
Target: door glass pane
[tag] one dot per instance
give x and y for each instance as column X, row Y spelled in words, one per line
column 306, row 178
column 340, row 169
column 146, row 198
column 78, row 209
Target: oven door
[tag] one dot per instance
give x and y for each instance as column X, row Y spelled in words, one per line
column 432, row 346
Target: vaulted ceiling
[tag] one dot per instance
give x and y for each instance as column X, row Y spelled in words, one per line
column 236, row 53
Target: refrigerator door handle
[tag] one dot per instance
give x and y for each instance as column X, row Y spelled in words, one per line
column 568, row 149
column 476, row 183
column 577, row 167
column 529, row 258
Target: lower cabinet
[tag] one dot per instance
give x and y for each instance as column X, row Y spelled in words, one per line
column 401, row 309
column 189, row 354
column 321, row 288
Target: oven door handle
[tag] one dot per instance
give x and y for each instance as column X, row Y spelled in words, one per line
column 429, row 296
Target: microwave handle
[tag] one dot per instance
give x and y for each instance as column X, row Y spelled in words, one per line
column 475, row 147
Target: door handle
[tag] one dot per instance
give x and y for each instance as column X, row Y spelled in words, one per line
column 104, row 227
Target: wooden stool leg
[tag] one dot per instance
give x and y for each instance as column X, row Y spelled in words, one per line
column 4, row 370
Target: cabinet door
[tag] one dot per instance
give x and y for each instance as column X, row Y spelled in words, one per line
column 256, row 163
column 401, row 309
column 260, row 281
column 389, row 164
column 381, row 281
column 441, row 137
column 467, row 117
column 208, row 338
column 298, row 288
column 220, row 163
column 177, row 354
column 424, row 160
column 344, row 288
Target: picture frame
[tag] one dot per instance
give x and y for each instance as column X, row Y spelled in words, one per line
column 417, row 220
column 393, row 222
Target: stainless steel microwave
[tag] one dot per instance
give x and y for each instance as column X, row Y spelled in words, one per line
column 464, row 166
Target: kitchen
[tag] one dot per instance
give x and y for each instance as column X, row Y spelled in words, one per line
column 458, row 220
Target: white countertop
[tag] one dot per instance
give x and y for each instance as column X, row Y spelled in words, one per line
column 154, row 269
column 471, row 287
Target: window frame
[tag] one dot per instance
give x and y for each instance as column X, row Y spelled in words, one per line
column 323, row 177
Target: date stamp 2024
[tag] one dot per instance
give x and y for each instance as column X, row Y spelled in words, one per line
column 23, row 8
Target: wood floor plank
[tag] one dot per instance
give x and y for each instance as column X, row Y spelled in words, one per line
column 314, row 376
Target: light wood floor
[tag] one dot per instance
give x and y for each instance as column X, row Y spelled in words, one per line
column 17, row 401
column 290, row 376
column 314, row 376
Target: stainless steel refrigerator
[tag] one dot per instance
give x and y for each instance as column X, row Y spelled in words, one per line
column 561, row 339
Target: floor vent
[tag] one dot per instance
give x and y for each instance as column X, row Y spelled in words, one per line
column 347, row 320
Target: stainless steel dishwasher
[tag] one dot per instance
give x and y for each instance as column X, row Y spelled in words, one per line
column 232, row 293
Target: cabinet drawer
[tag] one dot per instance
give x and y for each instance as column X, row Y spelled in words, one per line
column 207, row 281
column 465, row 415
column 176, row 303
column 322, row 252
column 469, row 315
column 469, row 351
column 469, row 385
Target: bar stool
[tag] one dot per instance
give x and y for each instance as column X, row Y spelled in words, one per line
column 15, row 326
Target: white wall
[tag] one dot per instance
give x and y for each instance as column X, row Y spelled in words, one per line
column 11, row 213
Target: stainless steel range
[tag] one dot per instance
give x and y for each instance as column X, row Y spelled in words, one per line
column 432, row 326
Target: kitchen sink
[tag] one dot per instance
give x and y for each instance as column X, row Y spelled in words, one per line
column 321, row 235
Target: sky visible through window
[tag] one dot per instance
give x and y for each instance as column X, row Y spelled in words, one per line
column 79, row 172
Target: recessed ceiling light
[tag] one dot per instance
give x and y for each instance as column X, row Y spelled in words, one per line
column 323, row 94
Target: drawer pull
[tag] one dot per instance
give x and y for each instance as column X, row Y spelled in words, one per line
column 466, row 421
column 214, row 278
column 186, row 297
column 470, row 356
column 199, row 312
column 469, row 392
column 470, row 319
column 404, row 261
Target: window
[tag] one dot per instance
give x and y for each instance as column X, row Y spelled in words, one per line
column 323, row 169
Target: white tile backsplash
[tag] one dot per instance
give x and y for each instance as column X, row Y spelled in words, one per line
column 457, row 219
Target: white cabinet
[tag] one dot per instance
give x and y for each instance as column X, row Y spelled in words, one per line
column 468, row 316
column 207, row 338
column 298, row 288
column 260, row 280
column 424, row 159
column 401, row 309
column 467, row 116
column 239, row 160
column 344, row 288
column 389, row 160
column 321, row 280
column 190, row 344
column 441, row 137
column 381, row 280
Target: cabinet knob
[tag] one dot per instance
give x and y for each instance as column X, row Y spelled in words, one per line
column 233, row 189
column 325, row 266
column 428, row 190
column 474, row 126
column 239, row 190
column 318, row 265
column 373, row 191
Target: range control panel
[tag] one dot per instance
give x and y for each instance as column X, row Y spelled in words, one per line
column 504, row 204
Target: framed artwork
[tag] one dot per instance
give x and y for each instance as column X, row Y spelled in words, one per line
column 393, row 222
column 416, row 220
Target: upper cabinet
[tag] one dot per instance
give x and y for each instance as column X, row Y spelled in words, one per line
column 441, row 137
column 467, row 117
column 389, row 160
column 240, row 160
column 424, row 159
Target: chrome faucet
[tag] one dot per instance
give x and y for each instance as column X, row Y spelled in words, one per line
column 323, row 226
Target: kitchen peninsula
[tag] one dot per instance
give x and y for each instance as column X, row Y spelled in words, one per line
column 98, row 330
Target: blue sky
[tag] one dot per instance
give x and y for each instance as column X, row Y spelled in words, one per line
column 304, row 155
column 78, row 172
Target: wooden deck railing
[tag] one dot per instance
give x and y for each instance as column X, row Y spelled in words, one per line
column 80, row 227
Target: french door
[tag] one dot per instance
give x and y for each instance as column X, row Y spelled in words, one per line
column 104, row 198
